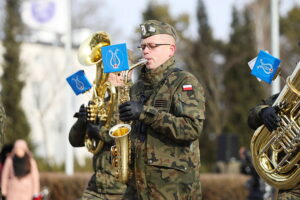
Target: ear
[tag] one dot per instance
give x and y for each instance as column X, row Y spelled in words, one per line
column 172, row 50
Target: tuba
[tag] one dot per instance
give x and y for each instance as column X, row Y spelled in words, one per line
column 121, row 151
column 89, row 53
column 276, row 155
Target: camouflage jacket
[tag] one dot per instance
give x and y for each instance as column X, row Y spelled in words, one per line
column 166, row 135
column 103, row 181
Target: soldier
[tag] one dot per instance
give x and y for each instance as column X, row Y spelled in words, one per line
column 167, row 108
column 103, row 183
column 265, row 114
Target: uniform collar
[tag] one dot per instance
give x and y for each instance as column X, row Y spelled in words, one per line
column 156, row 75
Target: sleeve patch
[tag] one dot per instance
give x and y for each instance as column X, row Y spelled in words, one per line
column 187, row 87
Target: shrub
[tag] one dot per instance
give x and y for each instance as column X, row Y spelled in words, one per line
column 224, row 187
column 214, row 186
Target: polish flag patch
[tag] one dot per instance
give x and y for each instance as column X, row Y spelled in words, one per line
column 187, row 87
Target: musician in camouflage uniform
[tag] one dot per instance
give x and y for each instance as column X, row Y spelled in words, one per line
column 167, row 108
column 265, row 114
column 103, row 183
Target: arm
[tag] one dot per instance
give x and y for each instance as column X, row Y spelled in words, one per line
column 5, row 175
column 35, row 177
column 77, row 134
column 254, row 118
column 185, row 123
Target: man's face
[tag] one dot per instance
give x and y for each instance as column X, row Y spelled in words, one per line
column 157, row 49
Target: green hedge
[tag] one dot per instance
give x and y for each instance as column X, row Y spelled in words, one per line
column 214, row 186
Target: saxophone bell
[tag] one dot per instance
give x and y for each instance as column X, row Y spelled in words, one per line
column 121, row 151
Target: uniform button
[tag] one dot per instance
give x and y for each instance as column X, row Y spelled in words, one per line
column 150, row 161
column 185, row 168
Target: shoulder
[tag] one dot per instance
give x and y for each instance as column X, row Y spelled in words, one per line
column 186, row 80
column 8, row 161
column 184, row 75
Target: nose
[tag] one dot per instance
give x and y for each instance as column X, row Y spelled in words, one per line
column 146, row 49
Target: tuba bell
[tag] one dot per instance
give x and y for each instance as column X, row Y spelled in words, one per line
column 121, row 151
column 276, row 155
column 98, row 109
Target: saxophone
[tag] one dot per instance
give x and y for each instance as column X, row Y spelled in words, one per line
column 98, row 110
column 276, row 155
column 121, row 151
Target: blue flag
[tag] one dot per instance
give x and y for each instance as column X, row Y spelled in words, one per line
column 115, row 58
column 79, row 82
column 265, row 66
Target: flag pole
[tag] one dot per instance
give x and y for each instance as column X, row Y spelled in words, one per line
column 275, row 87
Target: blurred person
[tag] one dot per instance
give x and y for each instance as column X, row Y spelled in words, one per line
column 265, row 114
column 103, row 183
column 255, row 184
column 20, row 175
column 167, row 109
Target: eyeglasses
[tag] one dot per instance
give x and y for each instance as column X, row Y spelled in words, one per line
column 150, row 46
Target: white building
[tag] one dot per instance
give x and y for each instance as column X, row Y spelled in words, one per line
column 48, row 100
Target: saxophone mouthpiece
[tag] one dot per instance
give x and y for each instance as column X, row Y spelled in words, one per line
column 140, row 62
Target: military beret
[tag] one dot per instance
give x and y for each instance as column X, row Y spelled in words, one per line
column 154, row 27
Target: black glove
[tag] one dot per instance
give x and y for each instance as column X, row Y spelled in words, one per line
column 269, row 118
column 93, row 130
column 81, row 114
column 130, row 110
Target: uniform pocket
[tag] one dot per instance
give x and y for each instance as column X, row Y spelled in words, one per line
column 166, row 161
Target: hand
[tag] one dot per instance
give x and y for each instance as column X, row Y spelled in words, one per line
column 130, row 110
column 117, row 78
column 82, row 114
column 269, row 118
column 93, row 130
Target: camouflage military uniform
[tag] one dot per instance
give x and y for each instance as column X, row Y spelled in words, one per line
column 254, row 122
column 166, row 155
column 103, row 183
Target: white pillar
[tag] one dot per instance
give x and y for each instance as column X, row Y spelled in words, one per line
column 69, row 161
column 275, row 40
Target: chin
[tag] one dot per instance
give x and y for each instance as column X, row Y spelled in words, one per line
column 149, row 66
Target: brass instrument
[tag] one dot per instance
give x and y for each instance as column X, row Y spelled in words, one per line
column 89, row 53
column 276, row 155
column 121, row 151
